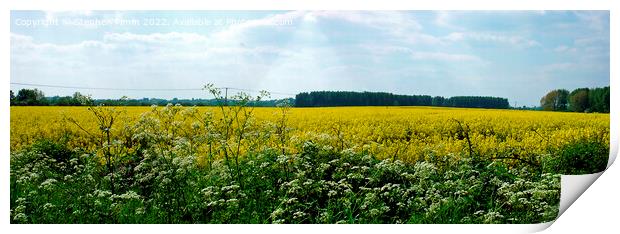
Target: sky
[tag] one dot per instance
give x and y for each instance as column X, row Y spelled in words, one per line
column 519, row 55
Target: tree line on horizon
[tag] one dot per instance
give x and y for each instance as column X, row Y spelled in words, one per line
column 578, row 100
column 36, row 97
column 348, row 98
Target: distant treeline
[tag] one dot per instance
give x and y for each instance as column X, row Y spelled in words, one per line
column 472, row 102
column 343, row 98
column 183, row 102
column 579, row 100
column 35, row 97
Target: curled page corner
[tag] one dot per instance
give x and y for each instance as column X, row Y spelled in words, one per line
column 572, row 188
column 533, row 228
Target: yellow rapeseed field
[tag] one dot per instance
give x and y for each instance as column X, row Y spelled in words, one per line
column 405, row 133
column 239, row 164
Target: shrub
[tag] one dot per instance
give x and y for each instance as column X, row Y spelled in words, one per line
column 579, row 157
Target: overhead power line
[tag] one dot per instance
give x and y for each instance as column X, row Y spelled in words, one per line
column 139, row 89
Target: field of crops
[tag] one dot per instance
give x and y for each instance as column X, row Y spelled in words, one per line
column 238, row 164
column 409, row 133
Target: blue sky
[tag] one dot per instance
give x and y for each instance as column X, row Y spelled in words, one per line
column 519, row 55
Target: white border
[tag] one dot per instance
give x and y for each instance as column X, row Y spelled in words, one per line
column 596, row 210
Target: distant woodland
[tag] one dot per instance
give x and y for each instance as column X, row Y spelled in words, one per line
column 578, row 100
column 340, row 98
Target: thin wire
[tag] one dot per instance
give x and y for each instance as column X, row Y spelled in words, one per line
column 134, row 89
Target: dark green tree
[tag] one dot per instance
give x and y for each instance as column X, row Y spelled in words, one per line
column 599, row 99
column 438, row 101
column 578, row 100
column 342, row 98
column 12, row 97
column 556, row 100
column 30, row 97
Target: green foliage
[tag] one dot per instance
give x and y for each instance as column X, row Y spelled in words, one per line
column 579, row 157
column 30, row 97
column 556, row 100
column 599, row 100
column 35, row 97
column 579, row 100
column 57, row 151
column 477, row 102
column 343, row 98
column 12, row 98
column 318, row 185
column 47, row 190
column 438, row 101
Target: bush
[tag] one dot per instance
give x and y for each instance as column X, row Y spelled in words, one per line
column 317, row 185
column 579, row 157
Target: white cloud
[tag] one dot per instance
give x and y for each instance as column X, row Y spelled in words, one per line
column 558, row 67
column 565, row 49
column 492, row 37
column 20, row 39
column 155, row 37
column 384, row 49
column 445, row 19
column 449, row 57
column 595, row 20
column 397, row 24
column 424, row 39
column 22, row 43
column 173, row 45
column 592, row 40
column 235, row 31
column 563, row 71
column 397, row 21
